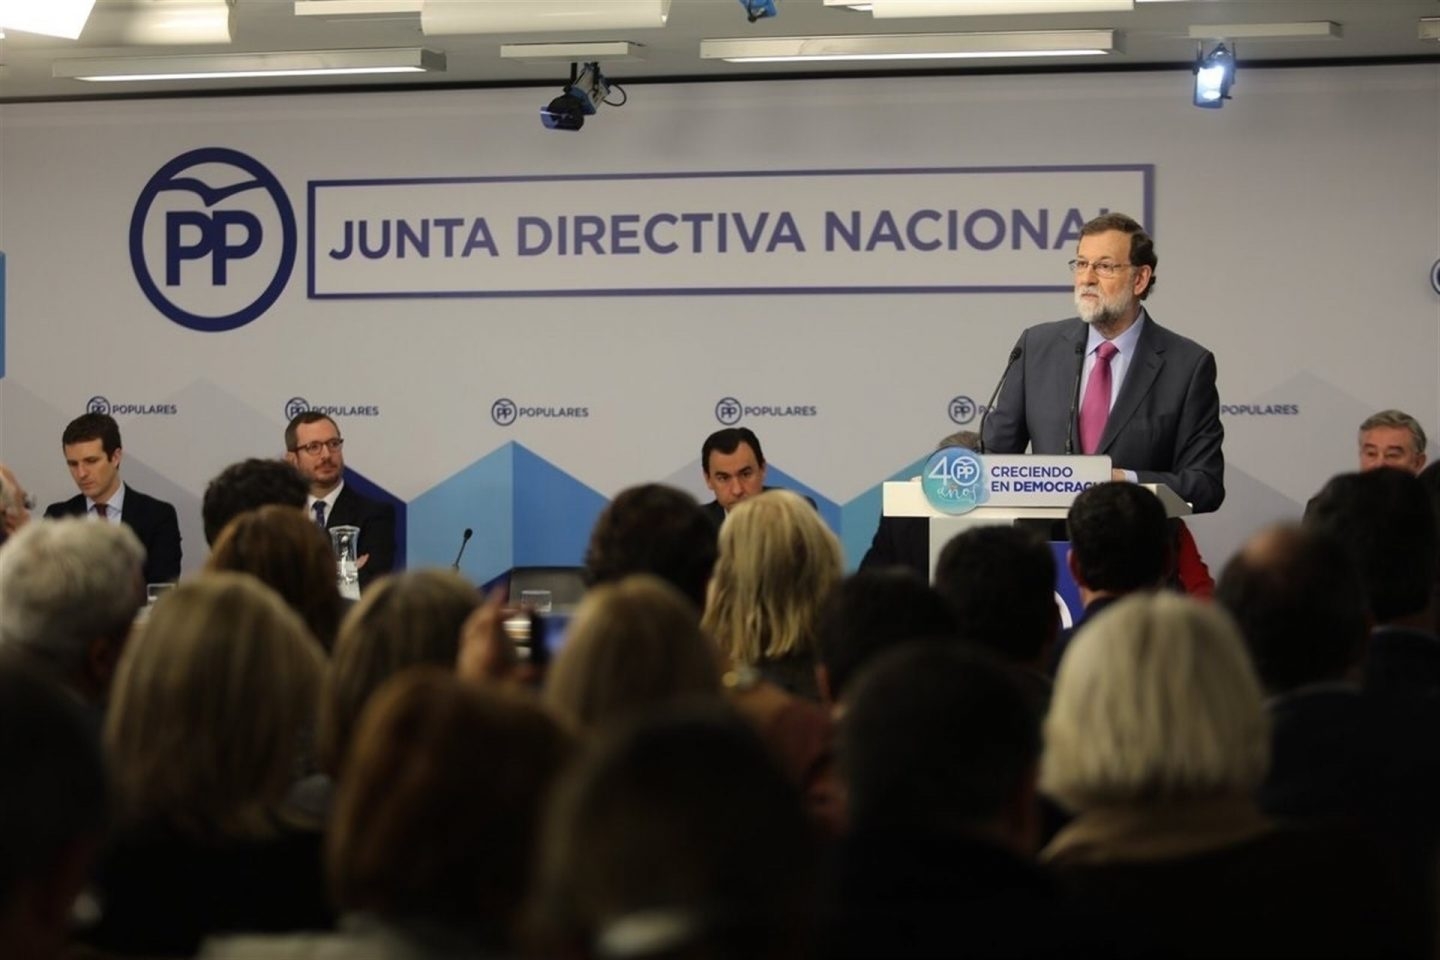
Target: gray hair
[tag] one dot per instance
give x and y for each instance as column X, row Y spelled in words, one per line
column 1400, row 420
column 1156, row 699
column 65, row 583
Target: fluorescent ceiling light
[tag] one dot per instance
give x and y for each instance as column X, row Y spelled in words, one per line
column 913, row 46
column 53, row 18
column 1311, row 30
column 1430, row 28
column 354, row 8
column 897, row 9
column 178, row 22
column 573, row 52
column 226, row 66
column 442, row 17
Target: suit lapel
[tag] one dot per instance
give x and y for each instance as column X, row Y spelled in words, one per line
column 1144, row 369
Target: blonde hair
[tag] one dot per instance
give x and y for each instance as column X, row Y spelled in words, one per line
column 633, row 644
column 403, row 620
column 1156, row 699
column 777, row 562
column 210, row 704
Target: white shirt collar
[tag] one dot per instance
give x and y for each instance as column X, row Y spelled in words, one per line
column 114, row 507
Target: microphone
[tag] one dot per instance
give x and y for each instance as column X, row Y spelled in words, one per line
column 464, row 539
column 1014, row 355
column 1075, row 398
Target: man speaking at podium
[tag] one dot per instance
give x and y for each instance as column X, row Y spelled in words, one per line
column 1113, row 381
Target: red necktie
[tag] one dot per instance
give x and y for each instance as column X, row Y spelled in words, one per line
column 101, row 510
column 1095, row 407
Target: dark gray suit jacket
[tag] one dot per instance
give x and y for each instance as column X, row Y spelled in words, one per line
column 154, row 522
column 1165, row 424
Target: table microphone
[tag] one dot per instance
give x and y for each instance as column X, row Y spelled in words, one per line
column 464, row 539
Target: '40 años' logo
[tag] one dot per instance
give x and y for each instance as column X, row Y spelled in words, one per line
column 954, row 480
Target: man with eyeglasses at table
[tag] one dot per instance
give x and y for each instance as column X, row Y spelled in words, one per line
column 313, row 445
column 1145, row 396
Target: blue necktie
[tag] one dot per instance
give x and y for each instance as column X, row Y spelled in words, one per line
column 319, row 509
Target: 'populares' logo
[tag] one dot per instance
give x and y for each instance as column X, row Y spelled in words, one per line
column 212, row 239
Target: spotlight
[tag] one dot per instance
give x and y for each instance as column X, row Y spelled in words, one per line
column 1214, row 75
column 758, row 9
column 583, row 95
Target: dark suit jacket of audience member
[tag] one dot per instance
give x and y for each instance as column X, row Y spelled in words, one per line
column 921, row 894
column 1403, row 664
column 153, row 521
column 164, row 893
column 1062, row 640
column 716, row 513
column 900, row 542
column 1284, row 893
column 376, row 521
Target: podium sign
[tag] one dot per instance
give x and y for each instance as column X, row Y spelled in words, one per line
column 956, row 480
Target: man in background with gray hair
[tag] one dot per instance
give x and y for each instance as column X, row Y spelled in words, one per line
column 1392, row 438
column 69, row 591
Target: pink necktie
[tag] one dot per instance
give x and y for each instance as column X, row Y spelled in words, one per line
column 1095, row 407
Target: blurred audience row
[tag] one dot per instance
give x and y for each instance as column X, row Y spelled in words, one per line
column 737, row 751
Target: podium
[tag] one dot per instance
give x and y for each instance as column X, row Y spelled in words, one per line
column 1015, row 488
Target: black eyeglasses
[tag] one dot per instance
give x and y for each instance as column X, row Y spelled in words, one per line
column 315, row 446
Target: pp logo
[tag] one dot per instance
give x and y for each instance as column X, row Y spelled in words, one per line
column 504, row 411
column 1435, row 276
column 728, row 411
column 296, row 406
column 97, row 405
column 954, row 480
column 962, row 410
column 212, row 239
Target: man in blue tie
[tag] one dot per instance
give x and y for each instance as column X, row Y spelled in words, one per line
column 1112, row 381
column 313, row 445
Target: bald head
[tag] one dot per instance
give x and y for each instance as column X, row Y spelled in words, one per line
column 1300, row 604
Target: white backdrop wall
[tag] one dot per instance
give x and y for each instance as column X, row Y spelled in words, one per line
column 1296, row 230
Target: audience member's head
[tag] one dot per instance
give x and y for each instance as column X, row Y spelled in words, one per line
column 1300, row 606
column 777, row 562
column 405, row 620
column 733, row 465
column 15, row 503
column 52, row 810
column 1392, row 438
column 69, row 591
column 968, row 439
column 289, row 554
column 1000, row 584
column 678, row 838
column 942, row 739
column 1119, row 541
column 1386, row 519
column 869, row 612
column 437, row 817
column 1156, row 702
column 212, row 701
column 249, row 485
column 654, row 529
column 632, row 646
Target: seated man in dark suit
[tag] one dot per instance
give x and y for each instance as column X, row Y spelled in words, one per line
column 1119, row 543
column 939, row 750
column 93, row 453
column 313, row 446
column 1335, row 752
column 1386, row 519
column 734, row 468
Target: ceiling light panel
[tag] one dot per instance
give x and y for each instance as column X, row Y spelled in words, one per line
column 445, row 17
column 919, row 46
column 241, row 65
